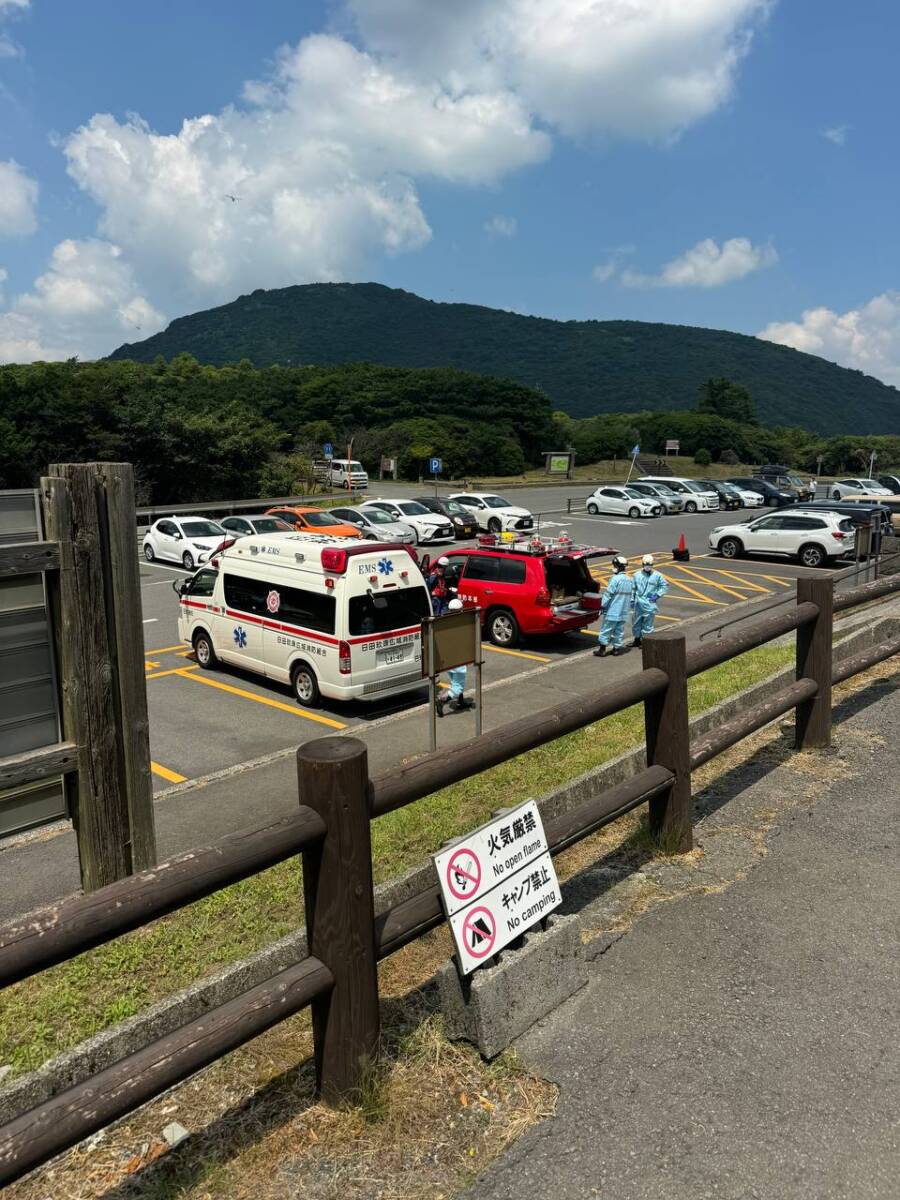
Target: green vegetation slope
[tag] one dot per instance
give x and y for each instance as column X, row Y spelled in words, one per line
column 584, row 367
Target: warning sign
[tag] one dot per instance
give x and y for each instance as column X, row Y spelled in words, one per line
column 463, row 874
column 489, row 855
column 497, row 884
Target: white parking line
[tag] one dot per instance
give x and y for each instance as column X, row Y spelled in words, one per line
column 150, row 620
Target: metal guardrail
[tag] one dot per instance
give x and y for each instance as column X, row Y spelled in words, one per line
column 338, row 801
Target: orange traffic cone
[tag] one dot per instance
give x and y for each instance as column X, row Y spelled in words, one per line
column 681, row 552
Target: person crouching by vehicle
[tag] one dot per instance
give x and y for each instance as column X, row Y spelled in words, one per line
column 439, row 587
column 455, row 698
column 649, row 586
column 617, row 601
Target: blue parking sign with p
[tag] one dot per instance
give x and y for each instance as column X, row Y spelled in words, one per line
column 329, row 450
column 434, row 466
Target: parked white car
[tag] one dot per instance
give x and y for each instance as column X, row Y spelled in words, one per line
column 254, row 523
column 858, row 487
column 494, row 514
column 696, row 497
column 426, row 526
column 626, row 501
column 747, row 498
column 813, row 537
column 375, row 525
column 185, row 540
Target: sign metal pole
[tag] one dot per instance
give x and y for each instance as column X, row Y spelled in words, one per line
column 432, row 687
column 478, row 659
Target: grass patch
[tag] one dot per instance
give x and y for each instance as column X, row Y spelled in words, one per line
column 61, row 1007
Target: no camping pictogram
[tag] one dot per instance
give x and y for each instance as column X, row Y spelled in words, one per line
column 463, row 874
column 479, row 932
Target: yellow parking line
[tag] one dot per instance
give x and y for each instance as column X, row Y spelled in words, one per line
column 753, row 587
column 712, row 583
column 516, row 653
column 699, row 598
column 171, row 671
column 234, row 691
column 150, row 666
column 660, row 617
column 165, row 650
column 165, row 773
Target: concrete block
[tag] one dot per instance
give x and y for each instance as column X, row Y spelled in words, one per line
column 496, row 1004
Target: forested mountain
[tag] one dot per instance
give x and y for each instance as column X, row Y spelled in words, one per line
column 583, row 367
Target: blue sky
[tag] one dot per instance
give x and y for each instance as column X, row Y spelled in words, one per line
column 734, row 165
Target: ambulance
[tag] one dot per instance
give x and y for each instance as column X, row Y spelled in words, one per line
column 340, row 619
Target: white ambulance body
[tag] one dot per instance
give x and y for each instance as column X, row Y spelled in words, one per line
column 332, row 618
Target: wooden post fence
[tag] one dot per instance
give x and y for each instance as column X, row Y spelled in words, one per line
column 96, row 613
column 333, row 778
column 669, row 741
column 814, row 661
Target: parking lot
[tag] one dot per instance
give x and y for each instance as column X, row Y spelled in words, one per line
column 205, row 721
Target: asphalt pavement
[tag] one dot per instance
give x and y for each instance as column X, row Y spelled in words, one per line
column 742, row 1045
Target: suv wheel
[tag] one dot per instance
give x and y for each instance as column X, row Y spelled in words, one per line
column 203, row 648
column 690, row 506
column 593, row 509
column 812, row 556
column 730, row 547
column 187, row 560
column 305, row 686
column 634, row 513
column 503, row 628
column 494, row 525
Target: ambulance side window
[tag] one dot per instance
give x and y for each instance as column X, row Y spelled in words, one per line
column 247, row 595
column 309, row 609
column 203, row 583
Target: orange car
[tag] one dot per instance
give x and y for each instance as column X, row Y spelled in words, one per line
column 314, row 520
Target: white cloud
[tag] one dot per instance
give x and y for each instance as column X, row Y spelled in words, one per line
column 18, row 200
column 4, row 275
column 13, row 5
column 866, row 338
column 707, row 265
column 500, row 226
column 633, row 68
column 837, row 134
column 605, row 271
column 86, row 302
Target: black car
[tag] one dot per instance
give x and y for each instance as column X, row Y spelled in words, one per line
column 773, row 496
column 860, row 514
column 464, row 525
column 727, row 499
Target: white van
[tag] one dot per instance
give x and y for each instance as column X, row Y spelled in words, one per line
column 695, row 496
column 341, row 619
column 344, row 473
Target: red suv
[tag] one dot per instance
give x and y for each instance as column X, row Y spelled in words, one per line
column 527, row 590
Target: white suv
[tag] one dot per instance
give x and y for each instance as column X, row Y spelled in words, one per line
column 696, row 497
column 623, row 500
column 813, row 538
column 426, row 525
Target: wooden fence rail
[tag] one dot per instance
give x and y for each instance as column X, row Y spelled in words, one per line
column 332, row 831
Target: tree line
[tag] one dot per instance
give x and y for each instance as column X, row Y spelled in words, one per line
column 198, row 433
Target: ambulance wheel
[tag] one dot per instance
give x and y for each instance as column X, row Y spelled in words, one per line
column 503, row 628
column 494, row 525
column 203, row 648
column 305, row 686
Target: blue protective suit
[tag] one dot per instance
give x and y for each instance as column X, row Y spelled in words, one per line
column 617, row 602
column 648, row 588
column 457, row 682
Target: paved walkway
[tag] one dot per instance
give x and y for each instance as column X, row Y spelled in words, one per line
column 744, row 1045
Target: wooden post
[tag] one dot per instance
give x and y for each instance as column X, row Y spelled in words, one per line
column 333, row 780
column 814, row 654
column 127, row 637
column 668, row 741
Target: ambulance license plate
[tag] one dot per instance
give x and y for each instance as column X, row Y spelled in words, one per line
column 390, row 656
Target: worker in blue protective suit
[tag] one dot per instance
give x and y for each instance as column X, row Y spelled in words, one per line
column 617, row 603
column 649, row 587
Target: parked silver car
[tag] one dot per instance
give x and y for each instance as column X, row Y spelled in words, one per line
column 376, row 525
column 671, row 501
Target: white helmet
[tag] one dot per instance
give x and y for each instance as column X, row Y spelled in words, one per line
column 647, row 560
column 443, row 561
column 619, row 563
column 455, row 605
